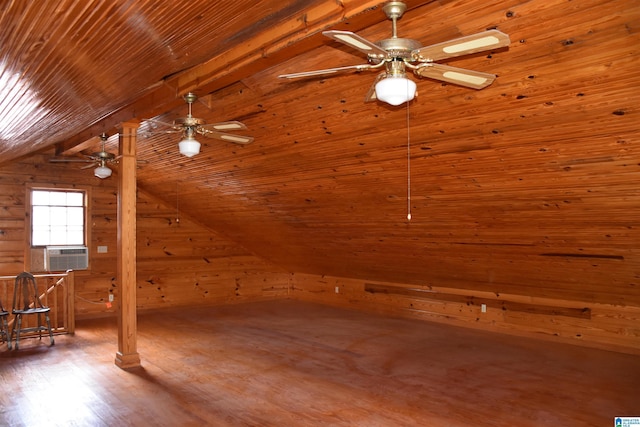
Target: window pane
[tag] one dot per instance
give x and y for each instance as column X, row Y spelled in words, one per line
column 58, row 235
column 40, row 236
column 40, row 216
column 75, row 199
column 40, row 197
column 57, row 198
column 75, row 237
column 57, row 217
column 75, row 217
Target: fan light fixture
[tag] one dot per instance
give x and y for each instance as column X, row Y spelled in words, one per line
column 395, row 90
column 189, row 146
column 102, row 171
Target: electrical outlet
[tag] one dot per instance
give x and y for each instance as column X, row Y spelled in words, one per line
column 483, row 308
column 110, row 297
column 337, row 289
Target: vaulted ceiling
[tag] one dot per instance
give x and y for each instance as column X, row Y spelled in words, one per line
column 540, row 167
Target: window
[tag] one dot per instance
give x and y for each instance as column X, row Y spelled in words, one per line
column 57, row 217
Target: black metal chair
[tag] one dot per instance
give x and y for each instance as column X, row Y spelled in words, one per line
column 4, row 326
column 26, row 301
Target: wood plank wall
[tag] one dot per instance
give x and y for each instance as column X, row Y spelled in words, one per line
column 182, row 263
column 604, row 326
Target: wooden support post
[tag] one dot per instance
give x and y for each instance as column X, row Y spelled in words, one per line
column 70, row 289
column 127, row 355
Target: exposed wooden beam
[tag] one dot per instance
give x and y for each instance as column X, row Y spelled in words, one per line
column 299, row 33
column 68, row 151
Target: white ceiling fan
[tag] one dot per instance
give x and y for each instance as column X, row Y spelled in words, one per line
column 395, row 55
column 189, row 126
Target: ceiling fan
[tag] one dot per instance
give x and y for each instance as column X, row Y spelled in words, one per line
column 189, row 126
column 100, row 158
column 395, row 55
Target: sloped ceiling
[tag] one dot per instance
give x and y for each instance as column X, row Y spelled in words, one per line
column 512, row 188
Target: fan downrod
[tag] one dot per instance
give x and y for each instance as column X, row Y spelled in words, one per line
column 396, row 46
column 104, row 155
column 189, row 121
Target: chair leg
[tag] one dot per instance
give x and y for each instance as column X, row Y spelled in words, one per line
column 39, row 326
column 5, row 331
column 46, row 316
column 17, row 322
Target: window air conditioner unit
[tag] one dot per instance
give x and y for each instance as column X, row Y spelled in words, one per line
column 63, row 258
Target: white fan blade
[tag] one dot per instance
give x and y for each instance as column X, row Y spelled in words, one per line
column 371, row 94
column 479, row 42
column 356, row 68
column 236, row 139
column 360, row 43
column 232, row 125
column 455, row 75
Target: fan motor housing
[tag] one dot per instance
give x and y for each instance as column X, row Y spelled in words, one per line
column 104, row 155
column 398, row 47
column 189, row 121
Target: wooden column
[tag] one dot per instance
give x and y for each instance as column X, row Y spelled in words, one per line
column 70, row 301
column 127, row 355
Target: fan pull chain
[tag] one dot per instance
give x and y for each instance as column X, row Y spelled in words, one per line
column 408, row 165
column 177, row 204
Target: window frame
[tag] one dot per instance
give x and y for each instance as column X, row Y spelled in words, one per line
column 75, row 229
column 28, row 207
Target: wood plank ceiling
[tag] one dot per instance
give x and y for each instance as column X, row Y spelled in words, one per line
column 511, row 188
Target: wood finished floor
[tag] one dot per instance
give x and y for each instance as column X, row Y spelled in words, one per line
column 289, row 363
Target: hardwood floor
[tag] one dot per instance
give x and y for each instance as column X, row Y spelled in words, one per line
column 290, row 363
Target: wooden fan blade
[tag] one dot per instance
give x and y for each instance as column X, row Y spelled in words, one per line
column 466, row 45
column 371, row 94
column 236, row 139
column 88, row 166
column 348, row 68
column 455, row 75
column 232, row 125
column 360, row 43
column 161, row 123
column 148, row 133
